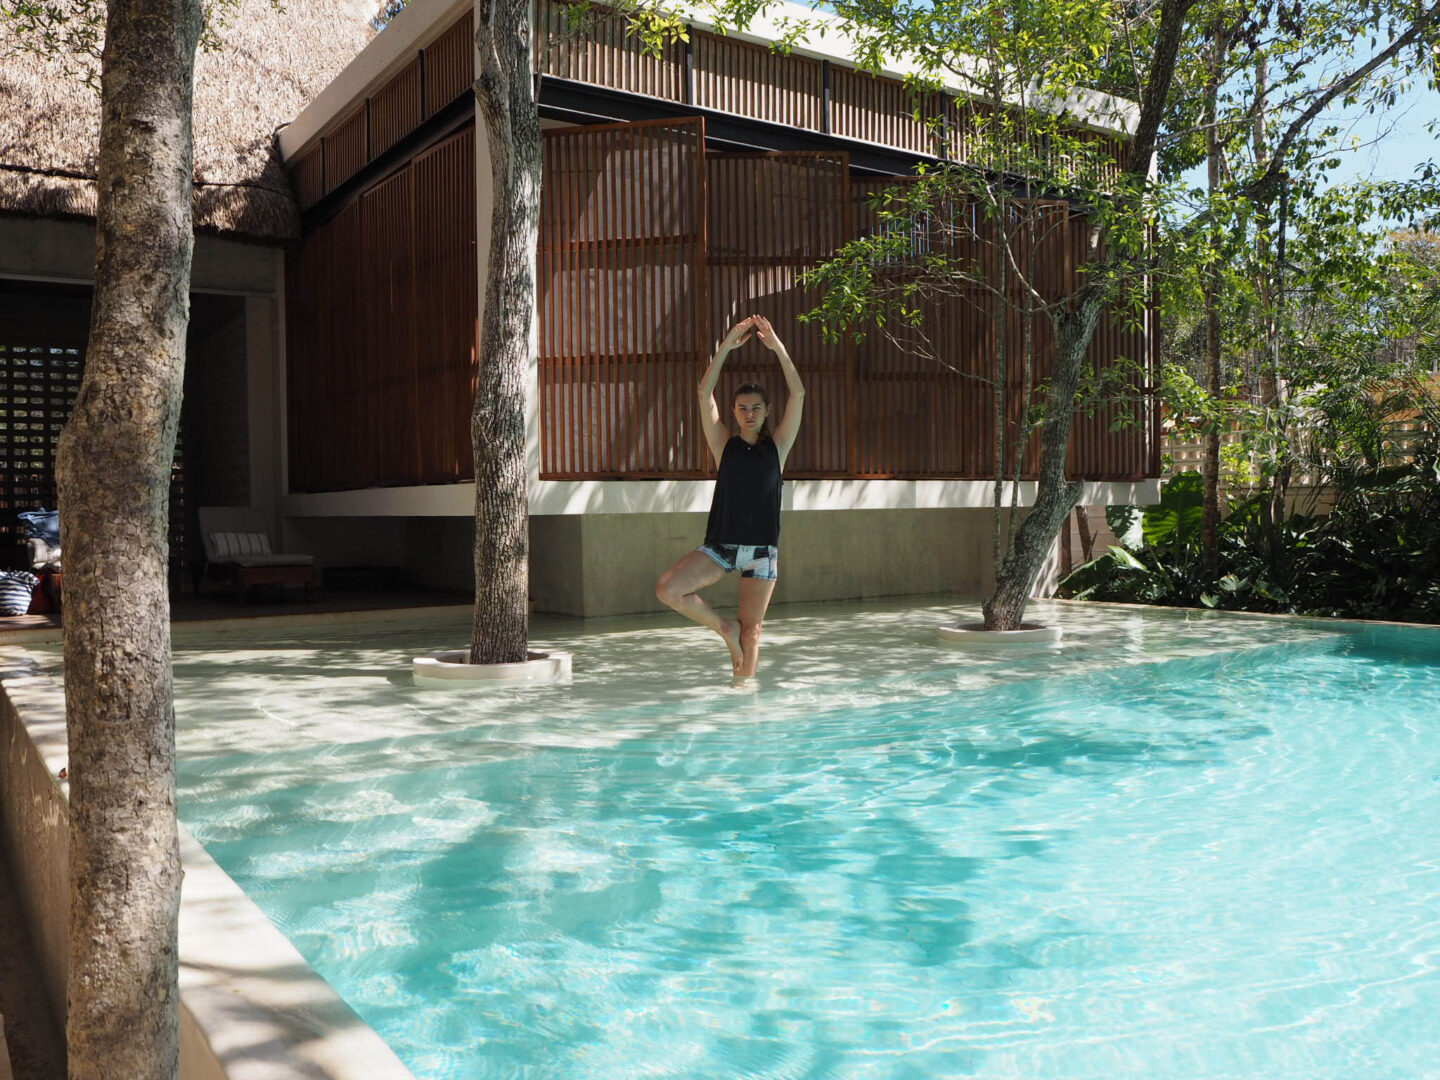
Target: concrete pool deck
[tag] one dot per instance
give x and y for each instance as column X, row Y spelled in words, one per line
column 252, row 1007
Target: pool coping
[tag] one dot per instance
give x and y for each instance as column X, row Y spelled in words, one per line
column 251, row 1007
column 1324, row 620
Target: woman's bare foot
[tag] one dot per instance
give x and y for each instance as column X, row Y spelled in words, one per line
column 729, row 629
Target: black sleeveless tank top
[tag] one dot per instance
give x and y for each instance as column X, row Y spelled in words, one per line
column 745, row 508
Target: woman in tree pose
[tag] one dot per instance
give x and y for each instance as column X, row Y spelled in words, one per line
column 744, row 527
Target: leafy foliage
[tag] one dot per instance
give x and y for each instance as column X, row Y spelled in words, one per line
column 1376, row 555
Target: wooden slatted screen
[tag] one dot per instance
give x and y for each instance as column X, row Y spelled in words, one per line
column 449, row 65
column 616, row 385
column 649, row 251
column 921, row 415
column 875, row 109
column 395, row 109
column 440, row 73
column 347, row 148
column 606, row 55
column 382, row 331
column 772, row 217
column 928, row 410
column 750, row 80
column 307, row 176
column 622, row 300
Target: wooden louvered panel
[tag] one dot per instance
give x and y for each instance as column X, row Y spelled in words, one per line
column 604, row 54
column 772, row 217
column 382, row 331
column 927, row 406
column 750, row 80
column 446, row 306
column 395, row 109
column 622, row 287
column 346, row 149
column 449, row 65
column 307, row 175
column 879, row 110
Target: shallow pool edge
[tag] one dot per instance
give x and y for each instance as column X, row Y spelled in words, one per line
column 251, row 1007
column 1321, row 620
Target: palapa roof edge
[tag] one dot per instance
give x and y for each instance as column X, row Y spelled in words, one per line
column 270, row 65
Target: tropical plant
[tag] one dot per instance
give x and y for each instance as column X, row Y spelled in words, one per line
column 1376, row 555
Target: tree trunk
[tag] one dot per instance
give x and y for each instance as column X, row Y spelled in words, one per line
column 506, row 93
column 113, row 472
column 1055, row 495
column 1210, row 458
column 1087, row 540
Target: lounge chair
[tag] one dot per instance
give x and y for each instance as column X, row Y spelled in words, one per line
column 237, row 551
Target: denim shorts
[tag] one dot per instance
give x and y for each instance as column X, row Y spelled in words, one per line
column 761, row 562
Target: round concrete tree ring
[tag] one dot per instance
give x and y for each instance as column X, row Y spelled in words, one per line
column 974, row 635
column 453, row 669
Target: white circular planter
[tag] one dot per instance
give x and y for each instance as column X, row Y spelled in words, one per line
column 453, row 669
column 974, row 635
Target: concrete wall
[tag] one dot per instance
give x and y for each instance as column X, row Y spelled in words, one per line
column 47, row 250
column 607, row 564
column 34, row 822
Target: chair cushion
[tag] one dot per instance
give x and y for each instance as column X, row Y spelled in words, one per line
column 42, row 524
column 227, row 545
column 267, row 559
column 16, row 589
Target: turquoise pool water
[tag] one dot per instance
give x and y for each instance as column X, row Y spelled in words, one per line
column 1112, row 860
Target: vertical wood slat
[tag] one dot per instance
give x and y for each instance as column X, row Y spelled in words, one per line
column 382, row 331
column 876, row 109
column 616, row 272
column 395, row 109
column 448, row 67
column 606, row 55
column 749, row 80
column 307, row 176
column 345, row 149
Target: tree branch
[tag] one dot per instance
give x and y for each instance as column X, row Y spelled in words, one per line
column 1266, row 182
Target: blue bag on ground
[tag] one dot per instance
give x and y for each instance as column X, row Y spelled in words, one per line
column 41, row 524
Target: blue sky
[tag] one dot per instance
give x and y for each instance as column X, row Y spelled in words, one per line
column 1393, row 143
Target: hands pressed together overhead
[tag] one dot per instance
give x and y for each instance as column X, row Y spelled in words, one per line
column 755, row 324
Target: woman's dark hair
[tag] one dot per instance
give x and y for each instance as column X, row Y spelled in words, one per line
column 758, row 391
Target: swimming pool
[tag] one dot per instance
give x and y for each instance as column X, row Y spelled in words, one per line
column 1179, row 846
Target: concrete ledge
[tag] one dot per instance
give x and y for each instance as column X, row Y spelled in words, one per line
column 251, row 1008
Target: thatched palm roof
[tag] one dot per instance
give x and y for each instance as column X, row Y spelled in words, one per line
column 270, row 66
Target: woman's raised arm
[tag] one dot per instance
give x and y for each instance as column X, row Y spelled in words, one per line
column 789, row 426
column 716, row 433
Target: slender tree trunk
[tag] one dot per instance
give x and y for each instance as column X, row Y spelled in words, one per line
column 1074, row 329
column 1210, row 459
column 506, row 92
column 113, row 472
column 1000, row 309
column 1087, row 540
column 1055, row 495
